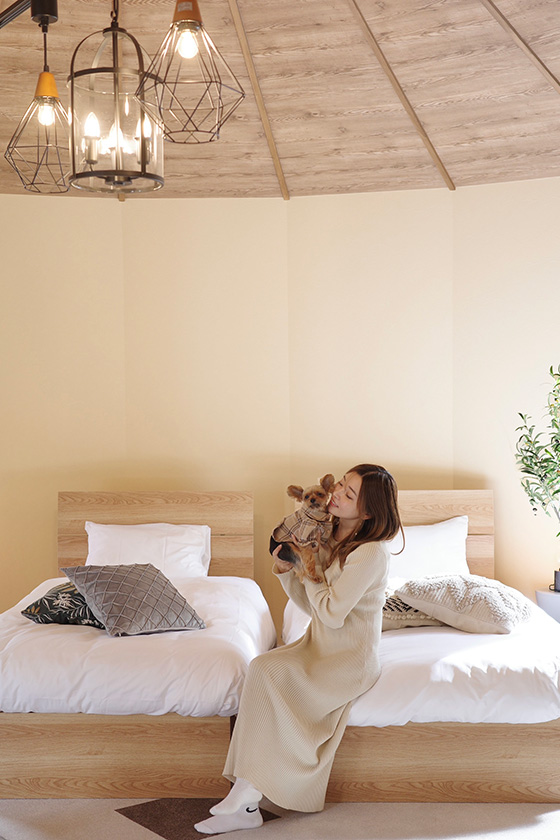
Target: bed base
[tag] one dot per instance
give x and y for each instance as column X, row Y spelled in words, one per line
column 455, row 762
column 81, row 756
column 128, row 757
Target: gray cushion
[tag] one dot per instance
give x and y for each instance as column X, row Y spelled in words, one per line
column 133, row 599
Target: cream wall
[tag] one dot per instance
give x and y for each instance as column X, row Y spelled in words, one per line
column 252, row 343
column 506, row 337
column 371, row 368
column 62, row 371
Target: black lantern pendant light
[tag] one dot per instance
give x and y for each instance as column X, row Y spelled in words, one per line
column 38, row 150
column 189, row 87
column 116, row 146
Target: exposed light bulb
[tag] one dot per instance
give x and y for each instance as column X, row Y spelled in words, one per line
column 146, row 141
column 187, row 46
column 45, row 114
column 91, row 138
column 147, row 127
column 91, row 128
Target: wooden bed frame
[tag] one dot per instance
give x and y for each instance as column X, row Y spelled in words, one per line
column 129, row 756
column 142, row 756
column 449, row 762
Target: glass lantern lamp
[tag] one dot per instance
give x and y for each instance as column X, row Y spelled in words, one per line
column 116, row 146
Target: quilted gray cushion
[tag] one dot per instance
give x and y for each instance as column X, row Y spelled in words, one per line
column 133, row 599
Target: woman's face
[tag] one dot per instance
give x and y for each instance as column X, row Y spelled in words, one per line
column 344, row 501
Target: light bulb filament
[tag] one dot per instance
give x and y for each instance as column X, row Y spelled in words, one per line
column 187, row 46
column 45, row 113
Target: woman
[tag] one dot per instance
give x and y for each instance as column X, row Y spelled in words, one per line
column 296, row 699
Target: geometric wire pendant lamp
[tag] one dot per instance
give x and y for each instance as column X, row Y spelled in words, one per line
column 115, row 145
column 38, row 150
column 189, row 87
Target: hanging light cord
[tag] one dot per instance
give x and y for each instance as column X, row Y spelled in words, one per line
column 45, row 28
column 115, row 13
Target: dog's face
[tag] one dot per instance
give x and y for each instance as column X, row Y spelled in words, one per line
column 316, row 496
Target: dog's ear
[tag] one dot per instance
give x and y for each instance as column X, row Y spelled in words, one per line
column 295, row 492
column 327, row 482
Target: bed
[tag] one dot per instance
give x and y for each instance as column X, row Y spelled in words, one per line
column 114, row 733
column 89, row 755
column 456, row 716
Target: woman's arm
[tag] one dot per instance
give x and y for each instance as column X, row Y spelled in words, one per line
column 366, row 567
column 293, row 588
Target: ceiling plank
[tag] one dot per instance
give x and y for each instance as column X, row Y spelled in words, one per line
column 242, row 35
column 521, row 43
column 401, row 94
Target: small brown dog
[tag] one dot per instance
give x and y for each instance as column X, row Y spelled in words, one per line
column 305, row 533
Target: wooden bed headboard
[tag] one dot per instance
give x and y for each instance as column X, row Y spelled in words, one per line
column 425, row 507
column 229, row 515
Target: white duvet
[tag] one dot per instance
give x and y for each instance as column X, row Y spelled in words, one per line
column 442, row 674
column 61, row 668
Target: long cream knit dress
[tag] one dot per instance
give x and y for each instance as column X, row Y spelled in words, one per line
column 296, row 699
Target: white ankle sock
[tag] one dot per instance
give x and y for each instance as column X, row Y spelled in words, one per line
column 242, row 793
column 248, row 816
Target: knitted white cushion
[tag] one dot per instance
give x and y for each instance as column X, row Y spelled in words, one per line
column 468, row 602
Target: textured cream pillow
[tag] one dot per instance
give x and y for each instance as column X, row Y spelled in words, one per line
column 468, row 602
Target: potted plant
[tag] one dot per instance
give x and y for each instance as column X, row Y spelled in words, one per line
column 538, row 456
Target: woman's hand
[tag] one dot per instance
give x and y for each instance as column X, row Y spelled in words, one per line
column 281, row 565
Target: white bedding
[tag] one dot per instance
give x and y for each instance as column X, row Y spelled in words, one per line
column 62, row 668
column 441, row 674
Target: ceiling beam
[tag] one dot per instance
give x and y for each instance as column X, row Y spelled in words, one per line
column 13, row 11
column 242, row 35
column 401, row 94
column 523, row 45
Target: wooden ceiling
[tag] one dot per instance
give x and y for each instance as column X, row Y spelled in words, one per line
column 342, row 96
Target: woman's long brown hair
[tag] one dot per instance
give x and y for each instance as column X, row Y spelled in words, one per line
column 378, row 501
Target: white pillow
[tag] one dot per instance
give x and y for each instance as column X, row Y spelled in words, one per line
column 439, row 549
column 178, row 551
column 468, row 602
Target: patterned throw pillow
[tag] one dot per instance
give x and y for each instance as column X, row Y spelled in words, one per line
column 133, row 599
column 62, row 604
column 397, row 614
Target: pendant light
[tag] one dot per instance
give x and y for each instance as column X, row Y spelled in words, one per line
column 115, row 145
column 189, row 87
column 38, row 150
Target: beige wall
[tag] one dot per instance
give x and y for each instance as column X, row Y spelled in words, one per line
column 251, row 343
column 506, row 331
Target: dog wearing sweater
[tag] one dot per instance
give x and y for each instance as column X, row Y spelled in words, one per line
column 305, row 532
